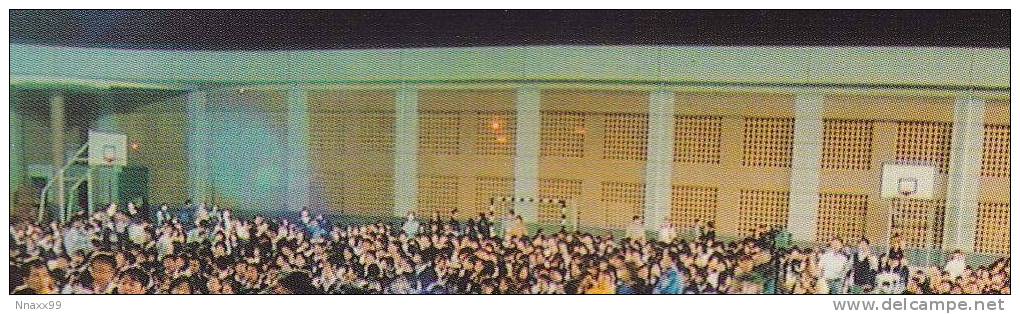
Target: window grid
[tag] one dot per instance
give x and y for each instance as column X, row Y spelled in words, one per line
column 437, row 196
column 919, row 221
column 440, row 133
column 563, row 134
column 626, row 136
column 995, row 155
column 564, row 189
column 622, row 201
column 496, row 131
column 769, row 208
column 768, row 142
column 847, row 144
column 841, row 215
column 690, row 203
column 992, row 232
column 488, row 187
column 367, row 195
column 697, row 139
column 924, row 141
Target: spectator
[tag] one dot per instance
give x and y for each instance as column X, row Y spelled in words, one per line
column 410, row 225
column 636, row 229
column 667, row 232
column 103, row 270
column 956, row 264
column 865, row 267
column 834, row 266
column 133, row 281
column 671, row 281
column 37, row 279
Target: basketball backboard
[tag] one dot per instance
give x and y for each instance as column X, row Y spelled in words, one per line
column 908, row 181
column 107, row 149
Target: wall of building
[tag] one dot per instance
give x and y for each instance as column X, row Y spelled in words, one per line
column 731, row 159
column 993, row 227
column 156, row 140
column 351, row 134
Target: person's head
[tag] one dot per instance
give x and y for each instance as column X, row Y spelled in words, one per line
column 103, row 268
column 836, row 244
column 182, row 285
column 864, row 245
column 37, row 276
column 958, row 255
column 133, row 281
column 296, row 282
column 666, row 262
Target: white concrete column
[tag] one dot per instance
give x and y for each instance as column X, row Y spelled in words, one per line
column 528, row 137
column 405, row 175
column 197, row 140
column 57, row 123
column 964, row 174
column 298, row 165
column 806, row 167
column 659, row 165
column 15, row 146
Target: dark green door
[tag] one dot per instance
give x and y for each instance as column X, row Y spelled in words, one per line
column 133, row 185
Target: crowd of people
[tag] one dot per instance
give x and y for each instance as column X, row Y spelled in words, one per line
column 199, row 249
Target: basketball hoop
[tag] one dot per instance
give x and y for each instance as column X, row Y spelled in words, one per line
column 907, row 186
column 109, row 155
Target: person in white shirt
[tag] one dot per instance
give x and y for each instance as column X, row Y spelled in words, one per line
column 956, row 265
column 163, row 215
column 201, row 214
column 834, row 266
column 136, row 233
column 508, row 222
column 410, row 225
column 636, row 229
column 667, row 232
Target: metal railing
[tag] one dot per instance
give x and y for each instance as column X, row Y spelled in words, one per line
column 60, row 175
